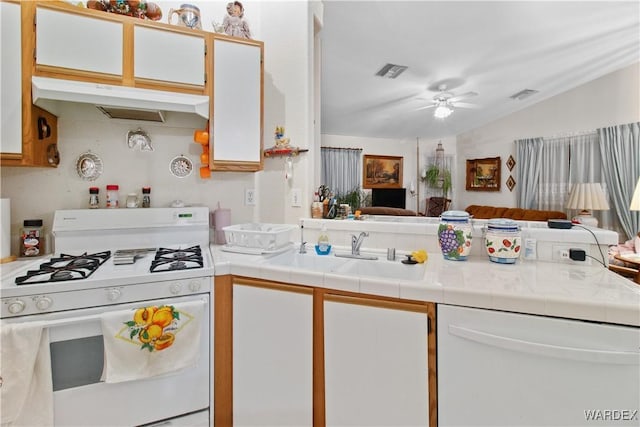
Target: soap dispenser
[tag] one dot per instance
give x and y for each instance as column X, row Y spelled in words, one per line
column 323, row 247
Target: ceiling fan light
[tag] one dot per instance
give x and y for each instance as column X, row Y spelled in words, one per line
column 442, row 111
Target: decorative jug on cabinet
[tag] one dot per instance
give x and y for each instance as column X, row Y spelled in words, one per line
column 502, row 240
column 454, row 235
column 188, row 16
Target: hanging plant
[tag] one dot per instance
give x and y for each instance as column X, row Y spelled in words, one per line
column 435, row 177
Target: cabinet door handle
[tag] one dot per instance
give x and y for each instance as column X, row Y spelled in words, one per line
column 548, row 350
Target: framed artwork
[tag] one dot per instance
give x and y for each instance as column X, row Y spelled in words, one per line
column 483, row 174
column 381, row 171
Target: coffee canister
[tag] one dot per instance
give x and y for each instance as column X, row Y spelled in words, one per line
column 454, row 235
column 502, row 240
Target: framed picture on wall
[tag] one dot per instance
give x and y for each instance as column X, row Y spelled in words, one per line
column 381, row 171
column 483, row 174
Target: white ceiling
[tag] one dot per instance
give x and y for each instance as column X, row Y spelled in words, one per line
column 495, row 49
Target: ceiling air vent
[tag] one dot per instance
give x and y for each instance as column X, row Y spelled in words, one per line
column 391, row 71
column 523, row 94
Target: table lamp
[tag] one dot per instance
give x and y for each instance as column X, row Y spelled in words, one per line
column 587, row 197
column 635, row 200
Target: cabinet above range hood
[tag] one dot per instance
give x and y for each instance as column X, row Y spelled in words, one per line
column 119, row 101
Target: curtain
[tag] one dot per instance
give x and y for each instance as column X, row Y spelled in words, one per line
column 529, row 158
column 341, row 169
column 553, row 188
column 620, row 152
column 586, row 166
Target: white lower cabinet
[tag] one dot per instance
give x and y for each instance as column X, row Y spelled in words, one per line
column 376, row 371
column 272, row 357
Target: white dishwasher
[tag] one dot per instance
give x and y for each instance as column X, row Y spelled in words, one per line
column 506, row 369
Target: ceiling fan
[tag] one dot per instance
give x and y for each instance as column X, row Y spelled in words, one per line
column 444, row 102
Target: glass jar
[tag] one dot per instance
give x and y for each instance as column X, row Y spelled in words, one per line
column 113, row 196
column 454, row 235
column 503, row 240
column 32, row 238
column 94, row 201
column 146, row 197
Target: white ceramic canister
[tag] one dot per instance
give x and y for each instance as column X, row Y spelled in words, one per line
column 502, row 240
column 454, row 235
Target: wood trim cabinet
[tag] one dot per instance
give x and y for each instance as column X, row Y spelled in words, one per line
column 88, row 45
column 29, row 134
column 366, row 357
column 237, row 127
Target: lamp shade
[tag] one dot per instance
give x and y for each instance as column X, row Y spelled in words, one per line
column 587, row 196
column 635, row 200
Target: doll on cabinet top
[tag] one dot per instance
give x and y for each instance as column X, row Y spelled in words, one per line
column 234, row 23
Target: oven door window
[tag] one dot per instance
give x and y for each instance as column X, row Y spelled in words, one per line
column 77, row 362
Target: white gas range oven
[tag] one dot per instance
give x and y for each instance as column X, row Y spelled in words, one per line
column 107, row 261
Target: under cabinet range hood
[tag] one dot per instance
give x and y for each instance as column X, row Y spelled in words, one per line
column 119, row 101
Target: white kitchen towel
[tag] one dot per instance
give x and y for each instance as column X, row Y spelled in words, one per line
column 151, row 341
column 26, row 394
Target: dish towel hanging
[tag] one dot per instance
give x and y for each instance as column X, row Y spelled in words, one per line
column 151, row 341
column 26, row 394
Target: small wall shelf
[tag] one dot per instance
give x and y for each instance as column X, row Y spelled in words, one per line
column 282, row 151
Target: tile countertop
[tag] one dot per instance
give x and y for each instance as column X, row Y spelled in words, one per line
column 580, row 291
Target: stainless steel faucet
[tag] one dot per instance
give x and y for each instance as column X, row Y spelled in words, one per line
column 356, row 242
column 303, row 247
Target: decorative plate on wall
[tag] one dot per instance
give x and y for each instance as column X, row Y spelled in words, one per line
column 89, row 166
column 181, row 166
column 511, row 183
column 511, row 162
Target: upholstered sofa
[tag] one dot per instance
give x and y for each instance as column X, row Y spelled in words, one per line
column 383, row 210
column 488, row 212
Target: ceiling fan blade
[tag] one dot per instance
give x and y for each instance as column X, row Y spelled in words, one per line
column 461, row 97
column 425, row 107
column 465, row 105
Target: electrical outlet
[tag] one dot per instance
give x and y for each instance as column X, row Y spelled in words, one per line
column 561, row 252
column 564, row 254
column 295, row 198
column 250, row 197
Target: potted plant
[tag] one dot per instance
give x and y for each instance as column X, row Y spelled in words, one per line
column 435, row 177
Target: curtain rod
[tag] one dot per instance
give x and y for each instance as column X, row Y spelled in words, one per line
column 342, row 148
column 570, row 134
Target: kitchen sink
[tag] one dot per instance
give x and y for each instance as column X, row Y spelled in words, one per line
column 382, row 268
column 348, row 266
column 309, row 261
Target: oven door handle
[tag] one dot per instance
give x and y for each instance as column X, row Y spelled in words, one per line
column 67, row 321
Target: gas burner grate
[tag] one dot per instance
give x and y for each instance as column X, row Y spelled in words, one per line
column 177, row 259
column 65, row 267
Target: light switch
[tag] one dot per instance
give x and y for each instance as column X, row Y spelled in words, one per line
column 296, row 196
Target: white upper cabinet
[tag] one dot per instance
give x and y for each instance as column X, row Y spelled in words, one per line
column 10, row 80
column 169, row 56
column 237, row 105
column 78, row 42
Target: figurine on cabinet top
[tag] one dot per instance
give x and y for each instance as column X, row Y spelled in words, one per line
column 234, row 23
column 136, row 8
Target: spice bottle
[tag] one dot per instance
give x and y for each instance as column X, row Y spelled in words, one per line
column 146, row 197
column 113, row 196
column 94, row 201
column 32, row 238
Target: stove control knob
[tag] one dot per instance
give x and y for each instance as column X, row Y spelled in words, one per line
column 16, row 306
column 43, row 303
column 175, row 288
column 194, row 286
column 113, row 294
